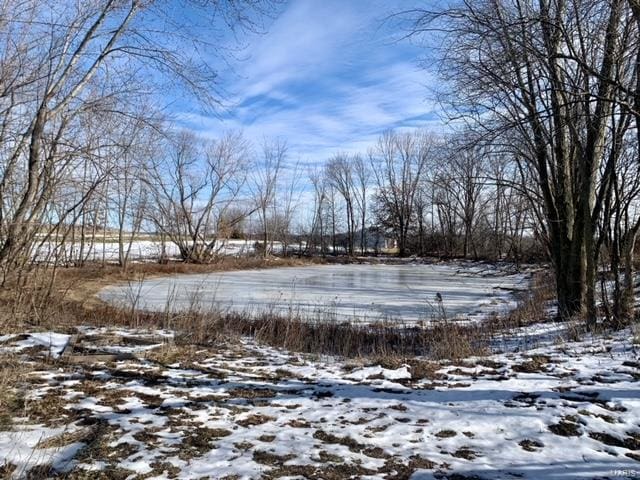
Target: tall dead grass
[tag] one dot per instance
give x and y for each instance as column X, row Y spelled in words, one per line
column 323, row 335
column 533, row 305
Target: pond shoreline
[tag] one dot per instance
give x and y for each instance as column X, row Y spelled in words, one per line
column 364, row 291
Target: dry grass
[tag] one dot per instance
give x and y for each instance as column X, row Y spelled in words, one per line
column 325, row 336
column 531, row 306
column 12, row 401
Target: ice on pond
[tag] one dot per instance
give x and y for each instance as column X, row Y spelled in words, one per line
column 408, row 292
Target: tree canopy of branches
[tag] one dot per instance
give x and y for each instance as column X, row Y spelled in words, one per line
column 399, row 163
column 264, row 186
column 194, row 189
column 70, row 70
column 553, row 84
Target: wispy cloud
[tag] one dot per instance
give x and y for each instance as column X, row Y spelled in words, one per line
column 327, row 77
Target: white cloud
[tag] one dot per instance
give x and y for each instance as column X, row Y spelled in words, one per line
column 326, row 78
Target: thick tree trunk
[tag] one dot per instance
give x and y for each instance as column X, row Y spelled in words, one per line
column 569, row 259
column 627, row 300
column 623, row 294
column 590, row 282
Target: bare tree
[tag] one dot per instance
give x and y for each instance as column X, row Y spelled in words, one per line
column 362, row 179
column 339, row 174
column 128, row 196
column 317, row 230
column 263, row 184
column 289, row 201
column 620, row 227
column 64, row 64
column 543, row 75
column 398, row 165
column 332, row 215
column 509, row 211
column 462, row 174
column 194, row 188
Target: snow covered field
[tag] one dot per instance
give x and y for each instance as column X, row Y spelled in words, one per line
column 140, row 250
column 242, row 411
column 370, row 292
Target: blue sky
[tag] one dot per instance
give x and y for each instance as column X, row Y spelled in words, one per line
column 329, row 76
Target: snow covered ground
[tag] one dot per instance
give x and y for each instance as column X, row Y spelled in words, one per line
column 140, row 250
column 243, row 411
column 346, row 292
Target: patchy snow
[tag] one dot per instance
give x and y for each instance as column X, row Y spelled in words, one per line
column 53, row 343
column 379, row 372
column 125, row 333
column 404, row 292
column 22, row 448
column 563, row 411
column 531, row 336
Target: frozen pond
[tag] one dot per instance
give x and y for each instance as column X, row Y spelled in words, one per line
column 363, row 292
